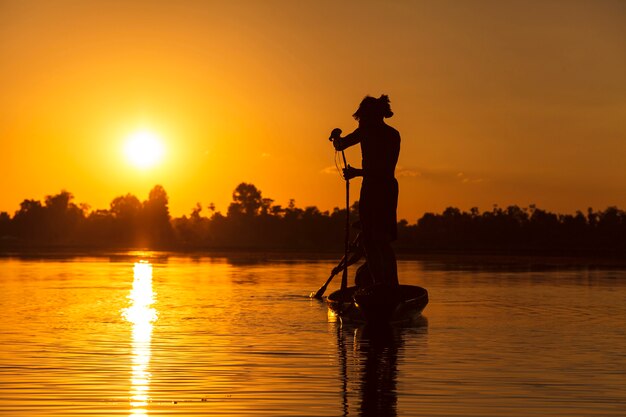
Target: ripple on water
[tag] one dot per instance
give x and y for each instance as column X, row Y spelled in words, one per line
column 96, row 337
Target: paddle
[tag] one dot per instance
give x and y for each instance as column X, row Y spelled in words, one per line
column 344, row 277
column 322, row 289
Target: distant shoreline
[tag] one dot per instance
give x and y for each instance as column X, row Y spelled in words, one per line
column 253, row 223
column 458, row 259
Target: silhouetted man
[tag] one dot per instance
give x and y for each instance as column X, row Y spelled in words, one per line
column 380, row 147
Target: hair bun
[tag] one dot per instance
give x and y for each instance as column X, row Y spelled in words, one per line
column 385, row 106
column 373, row 108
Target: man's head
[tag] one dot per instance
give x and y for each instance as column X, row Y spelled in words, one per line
column 373, row 109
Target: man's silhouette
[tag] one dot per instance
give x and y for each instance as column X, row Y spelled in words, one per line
column 380, row 147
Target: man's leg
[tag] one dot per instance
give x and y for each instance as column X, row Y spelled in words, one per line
column 390, row 264
column 375, row 260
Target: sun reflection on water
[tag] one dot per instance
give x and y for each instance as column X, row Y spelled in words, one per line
column 141, row 314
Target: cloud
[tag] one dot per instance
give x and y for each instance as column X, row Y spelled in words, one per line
column 468, row 180
column 450, row 176
column 407, row 172
column 329, row 170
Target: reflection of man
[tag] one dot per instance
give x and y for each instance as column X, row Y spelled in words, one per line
column 380, row 147
column 380, row 372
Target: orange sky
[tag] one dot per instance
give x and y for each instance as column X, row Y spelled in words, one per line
column 497, row 102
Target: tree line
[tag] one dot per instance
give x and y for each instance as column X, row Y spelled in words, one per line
column 255, row 222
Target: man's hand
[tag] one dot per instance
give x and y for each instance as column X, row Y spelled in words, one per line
column 351, row 172
column 335, row 134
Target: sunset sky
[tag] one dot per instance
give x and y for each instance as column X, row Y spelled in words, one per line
column 497, row 102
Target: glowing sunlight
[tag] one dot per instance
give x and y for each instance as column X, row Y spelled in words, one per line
column 144, row 149
column 141, row 314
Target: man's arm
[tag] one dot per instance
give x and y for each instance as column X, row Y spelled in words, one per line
column 349, row 140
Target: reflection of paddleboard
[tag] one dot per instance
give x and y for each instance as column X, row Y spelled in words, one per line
column 379, row 303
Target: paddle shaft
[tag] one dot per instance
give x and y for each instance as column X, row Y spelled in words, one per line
column 344, row 277
column 322, row 289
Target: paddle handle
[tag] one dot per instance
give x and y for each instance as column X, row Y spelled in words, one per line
column 344, row 276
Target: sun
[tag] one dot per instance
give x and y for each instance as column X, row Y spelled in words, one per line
column 144, row 149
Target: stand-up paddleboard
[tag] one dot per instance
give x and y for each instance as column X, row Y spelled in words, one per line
column 379, row 303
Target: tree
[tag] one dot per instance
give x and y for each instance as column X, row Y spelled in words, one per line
column 126, row 207
column 62, row 217
column 156, row 221
column 29, row 219
column 5, row 224
column 126, row 211
column 247, row 200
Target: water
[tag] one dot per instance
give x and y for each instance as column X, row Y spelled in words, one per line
column 147, row 335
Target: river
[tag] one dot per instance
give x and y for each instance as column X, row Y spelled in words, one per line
column 147, row 334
